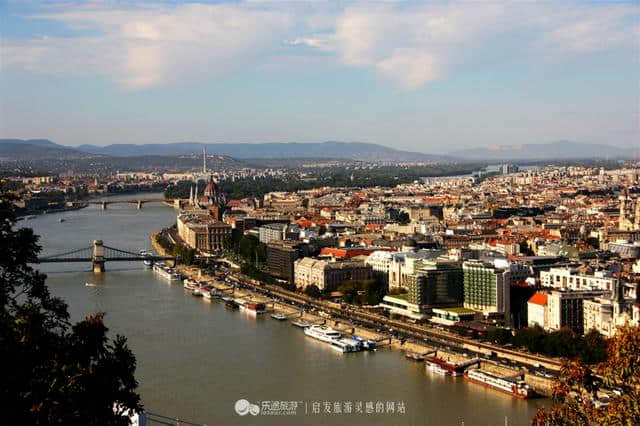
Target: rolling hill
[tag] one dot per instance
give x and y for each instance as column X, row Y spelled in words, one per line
column 345, row 150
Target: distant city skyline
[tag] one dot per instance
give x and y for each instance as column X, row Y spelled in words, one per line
column 426, row 77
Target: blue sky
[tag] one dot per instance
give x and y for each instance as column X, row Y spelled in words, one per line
column 425, row 76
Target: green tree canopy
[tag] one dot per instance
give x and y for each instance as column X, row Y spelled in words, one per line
column 312, row 291
column 53, row 371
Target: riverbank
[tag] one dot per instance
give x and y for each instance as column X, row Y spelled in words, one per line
column 291, row 307
column 25, row 214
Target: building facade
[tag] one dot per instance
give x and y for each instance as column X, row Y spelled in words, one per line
column 202, row 232
column 486, row 287
column 281, row 257
column 436, row 284
column 328, row 276
column 566, row 309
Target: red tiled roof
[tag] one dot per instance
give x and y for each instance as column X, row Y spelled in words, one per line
column 539, row 299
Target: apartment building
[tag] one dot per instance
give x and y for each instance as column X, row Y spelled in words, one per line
column 328, row 276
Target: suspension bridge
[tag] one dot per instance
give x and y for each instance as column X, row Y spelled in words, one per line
column 99, row 254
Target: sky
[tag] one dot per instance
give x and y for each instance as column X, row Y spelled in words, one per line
column 431, row 77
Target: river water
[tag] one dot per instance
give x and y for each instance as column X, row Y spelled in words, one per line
column 196, row 358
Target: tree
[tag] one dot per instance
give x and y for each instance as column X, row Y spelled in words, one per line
column 186, row 254
column 312, row 291
column 621, row 369
column 500, row 336
column 54, row 372
column 247, row 247
column 594, row 348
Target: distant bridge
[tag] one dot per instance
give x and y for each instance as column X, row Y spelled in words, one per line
column 138, row 203
column 98, row 254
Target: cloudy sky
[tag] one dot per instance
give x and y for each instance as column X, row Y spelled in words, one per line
column 425, row 76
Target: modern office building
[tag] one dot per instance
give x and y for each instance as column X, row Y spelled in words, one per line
column 486, row 287
column 436, row 284
column 278, row 231
column 281, row 256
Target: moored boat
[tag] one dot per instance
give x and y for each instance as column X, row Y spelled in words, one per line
column 322, row 333
column 414, row 356
column 345, row 345
column 279, row 317
column 190, row 284
column 167, row 273
column 517, row 388
column 437, row 369
column 232, row 304
column 254, row 308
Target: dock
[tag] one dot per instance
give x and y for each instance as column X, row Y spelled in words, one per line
column 284, row 317
column 304, row 324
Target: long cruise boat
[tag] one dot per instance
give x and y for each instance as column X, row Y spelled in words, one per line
column 324, row 334
column 166, row 273
column 253, row 308
column 516, row 388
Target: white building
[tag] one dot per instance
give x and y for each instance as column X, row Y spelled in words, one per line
column 403, row 264
column 537, row 310
column 278, row 231
column 380, row 262
column 569, row 278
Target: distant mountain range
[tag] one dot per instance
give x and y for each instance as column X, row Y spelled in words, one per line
column 560, row 150
column 39, row 149
column 346, row 150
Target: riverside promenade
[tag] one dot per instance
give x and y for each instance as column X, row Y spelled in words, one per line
column 400, row 337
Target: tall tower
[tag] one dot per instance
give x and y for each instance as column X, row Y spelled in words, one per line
column 204, row 160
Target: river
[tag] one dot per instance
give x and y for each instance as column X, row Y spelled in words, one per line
column 196, row 358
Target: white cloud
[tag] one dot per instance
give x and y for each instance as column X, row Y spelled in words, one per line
column 149, row 45
column 415, row 44
column 409, row 68
column 411, row 44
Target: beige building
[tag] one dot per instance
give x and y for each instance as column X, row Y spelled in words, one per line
column 566, row 309
column 328, row 275
column 202, row 232
column 598, row 315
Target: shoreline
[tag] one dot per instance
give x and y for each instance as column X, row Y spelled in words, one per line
column 345, row 325
column 23, row 215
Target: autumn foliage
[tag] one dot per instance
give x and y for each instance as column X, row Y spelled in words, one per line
column 573, row 392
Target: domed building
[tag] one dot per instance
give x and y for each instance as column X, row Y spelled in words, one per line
column 213, row 199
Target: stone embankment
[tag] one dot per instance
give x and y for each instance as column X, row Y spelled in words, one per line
column 540, row 384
